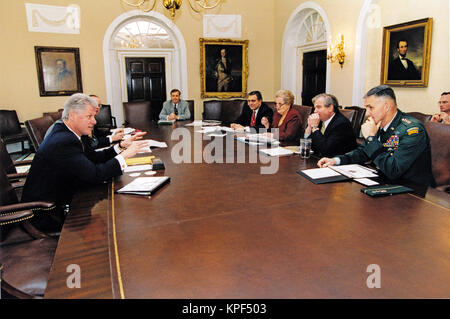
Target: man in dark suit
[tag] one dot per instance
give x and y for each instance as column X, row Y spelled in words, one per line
column 253, row 112
column 402, row 68
column 62, row 163
column 330, row 131
column 396, row 143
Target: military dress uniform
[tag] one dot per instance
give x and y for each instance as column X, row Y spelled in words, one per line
column 402, row 152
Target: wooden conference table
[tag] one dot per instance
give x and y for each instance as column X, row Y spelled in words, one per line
column 224, row 230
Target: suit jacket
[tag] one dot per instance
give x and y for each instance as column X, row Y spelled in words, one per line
column 398, row 72
column 246, row 116
column 60, row 166
column 290, row 129
column 183, row 110
column 337, row 139
column 402, row 152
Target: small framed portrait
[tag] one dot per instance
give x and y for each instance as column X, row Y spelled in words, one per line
column 59, row 71
column 223, row 68
column 406, row 53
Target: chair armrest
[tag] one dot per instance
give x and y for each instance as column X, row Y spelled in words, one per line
column 17, row 185
column 16, row 176
column 14, row 216
column 24, row 162
column 7, row 209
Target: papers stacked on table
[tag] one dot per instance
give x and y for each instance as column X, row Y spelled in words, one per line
column 144, row 185
column 276, row 151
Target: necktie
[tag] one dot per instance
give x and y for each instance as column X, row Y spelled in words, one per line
column 322, row 129
column 175, row 110
column 253, row 121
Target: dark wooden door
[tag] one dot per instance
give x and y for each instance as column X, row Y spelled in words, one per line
column 146, row 81
column 314, row 75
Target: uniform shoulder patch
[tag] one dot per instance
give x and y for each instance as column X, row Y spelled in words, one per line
column 413, row 130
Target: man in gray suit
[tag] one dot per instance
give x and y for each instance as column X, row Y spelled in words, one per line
column 175, row 108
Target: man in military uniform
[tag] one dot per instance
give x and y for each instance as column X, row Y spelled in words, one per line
column 396, row 143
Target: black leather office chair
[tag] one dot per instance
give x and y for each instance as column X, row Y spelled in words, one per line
column 11, row 130
column 26, row 253
column 358, row 119
column 137, row 114
column 304, row 111
column 104, row 118
column 54, row 115
column 212, row 110
column 9, row 165
column 37, row 128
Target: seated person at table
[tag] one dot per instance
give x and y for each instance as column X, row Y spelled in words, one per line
column 101, row 138
column 97, row 138
column 396, row 143
column 287, row 119
column 62, row 165
column 330, row 131
column 252, row 113
column 175, row 108
column 444, row 105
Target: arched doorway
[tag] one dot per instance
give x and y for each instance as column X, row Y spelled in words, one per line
column 115, row 56
column 307, row 31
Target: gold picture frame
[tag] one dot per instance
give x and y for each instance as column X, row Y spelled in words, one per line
column 59, row 71
column 411, row 41
column 223, row 68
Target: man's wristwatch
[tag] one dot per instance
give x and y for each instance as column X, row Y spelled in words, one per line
column 370, row 138
column 121, row 148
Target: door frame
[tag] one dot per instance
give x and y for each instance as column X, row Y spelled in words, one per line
column 145, row 53
column 113, row 80
column 317, row 46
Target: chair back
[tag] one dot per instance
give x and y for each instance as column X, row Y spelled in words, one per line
column 104, row 117
column 439, row 135
column 137, row 114
column 37, row 128
column 349, row 114
column 231, row 109
column 191, row 108
column 212, row 110
column 5, row 160
column 304, row 111
column 54, row 115
column 9, row 123
column 358, row 118
column 8, row 194
column 420, row 116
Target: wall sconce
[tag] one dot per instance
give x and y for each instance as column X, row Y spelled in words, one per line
column 337, row 53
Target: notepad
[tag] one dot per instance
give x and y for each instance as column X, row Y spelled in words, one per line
column 144, row 185
column 338, row 173
column 139, row 160
column 276, row 151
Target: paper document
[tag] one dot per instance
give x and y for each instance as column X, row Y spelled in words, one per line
column 137, row 168
column 23, row 169
column 204, row 123
column 277, row 151
column 354, row 171
column 126, row 130
column 153, row 143
column 316, row 173
column 366, row 181
column 144, row 185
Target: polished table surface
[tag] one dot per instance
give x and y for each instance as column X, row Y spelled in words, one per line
column 224, row 230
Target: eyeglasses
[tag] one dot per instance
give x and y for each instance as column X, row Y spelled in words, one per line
column 280, row 105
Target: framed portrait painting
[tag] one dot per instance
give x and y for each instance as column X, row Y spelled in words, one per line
column 406, row 53
column 223, row 68
column 59, row 71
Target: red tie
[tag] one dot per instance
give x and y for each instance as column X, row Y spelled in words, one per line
column 253, row 121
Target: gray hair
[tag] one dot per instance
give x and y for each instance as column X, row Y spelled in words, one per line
column 382, row 91
column 286, row 95
column 329, row 99
column 77, row 102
